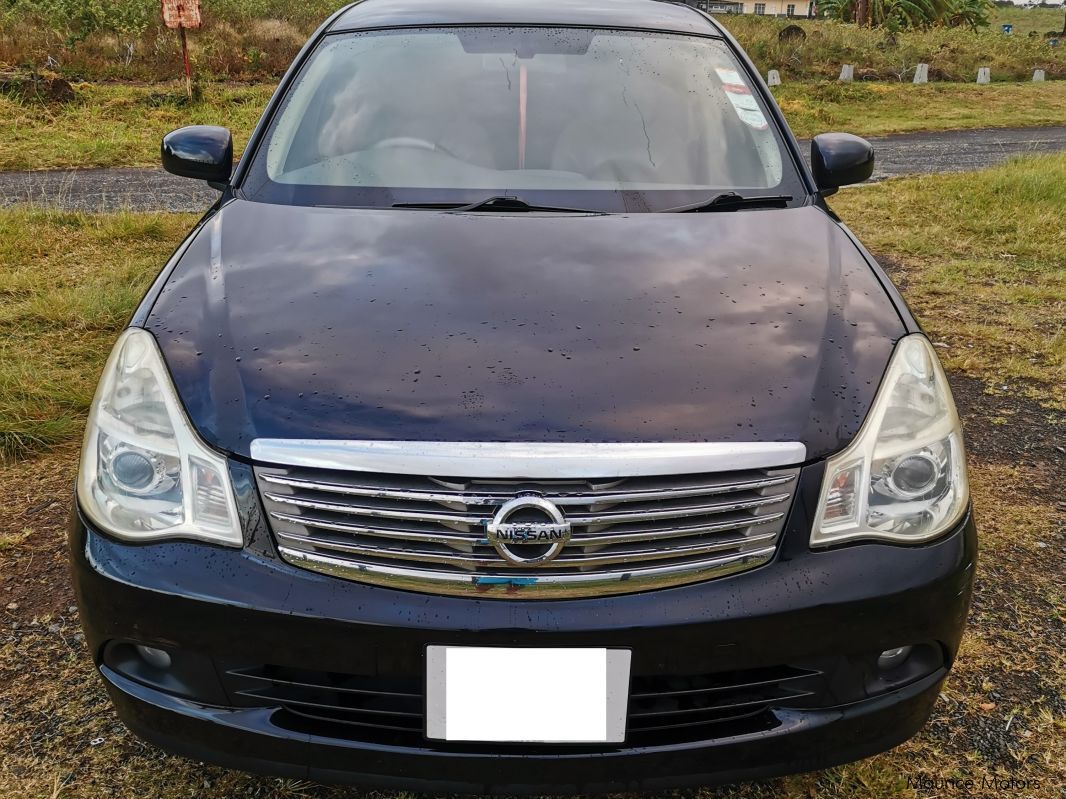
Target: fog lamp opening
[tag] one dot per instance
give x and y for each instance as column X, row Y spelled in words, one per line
column 156, row 658
column 893, row 658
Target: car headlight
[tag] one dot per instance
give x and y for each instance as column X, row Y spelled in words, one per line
column 145, row 473
column 903, row 478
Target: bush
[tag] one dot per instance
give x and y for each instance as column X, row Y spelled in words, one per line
column 257, row 39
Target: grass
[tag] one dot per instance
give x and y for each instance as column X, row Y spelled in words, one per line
column 256, row 39
column 112, row 124
column 996, row 238
column 953, row 54
column 980, row 258
column 116, row 124
column 68, row 284
column 873, row 109
column 1029, row 20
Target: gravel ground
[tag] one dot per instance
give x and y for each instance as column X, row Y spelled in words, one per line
column 106, row 190
column 960, row 150
column 155, row 190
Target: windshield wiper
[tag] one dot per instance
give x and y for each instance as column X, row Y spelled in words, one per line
column 731, row 201
column 506, row 204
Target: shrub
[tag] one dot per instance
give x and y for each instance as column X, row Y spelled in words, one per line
column 257, row 39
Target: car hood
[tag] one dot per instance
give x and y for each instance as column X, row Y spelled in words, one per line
column 318, row 323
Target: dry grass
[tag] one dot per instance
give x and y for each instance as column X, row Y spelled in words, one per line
column 953, row 54
column 256, row 39
column 125, row 40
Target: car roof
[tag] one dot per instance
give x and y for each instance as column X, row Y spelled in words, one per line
column 640, row 14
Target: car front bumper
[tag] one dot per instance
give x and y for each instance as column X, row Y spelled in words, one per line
column 224, row 612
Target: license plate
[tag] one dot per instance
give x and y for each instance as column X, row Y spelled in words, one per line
column 527, row 695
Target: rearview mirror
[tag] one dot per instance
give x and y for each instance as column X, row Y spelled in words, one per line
column 203, row 152
column 840, row 159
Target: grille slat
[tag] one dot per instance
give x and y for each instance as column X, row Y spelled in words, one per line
column 376, row 513
column 390, row 709
column 562, row 560
column 653, row 534
column 751, row 701
column 294, row 683
column 378, row 532
column 661, row 533
column 598, row 583
column 339, row 718
column 427, row 533
column 413, row 514
column 385, row 552
column 499, row 497
column 325, row 704
column 773, row 679
column 637, row 729
column 683, row 512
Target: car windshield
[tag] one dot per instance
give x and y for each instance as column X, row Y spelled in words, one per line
column 599, row 119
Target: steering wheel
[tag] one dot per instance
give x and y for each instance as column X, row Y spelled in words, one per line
column 405, row 141
column 624, row 170
column 414, row 144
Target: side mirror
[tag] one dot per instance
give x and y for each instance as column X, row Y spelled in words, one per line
column 203, row 152
column 840, row 159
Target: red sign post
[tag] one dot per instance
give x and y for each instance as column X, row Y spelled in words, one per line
column 183, row 15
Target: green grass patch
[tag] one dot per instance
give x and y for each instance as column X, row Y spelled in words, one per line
column 118, row 124
column 982, row 259
column 113, row 125
column 1029, row 20
column 872, row 109
column 68, row 284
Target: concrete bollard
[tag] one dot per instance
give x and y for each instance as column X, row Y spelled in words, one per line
column 984, row 75
column 847, row 73
column 921, row 73
column 773, row 78
column 1038, row 76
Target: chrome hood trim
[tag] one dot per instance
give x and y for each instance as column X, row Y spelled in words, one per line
column 516, row 460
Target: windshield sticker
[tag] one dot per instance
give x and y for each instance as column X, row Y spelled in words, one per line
column 731, row 78
column 746, row 106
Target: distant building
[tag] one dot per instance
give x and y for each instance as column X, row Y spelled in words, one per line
column 717, row 6
column 772, row 8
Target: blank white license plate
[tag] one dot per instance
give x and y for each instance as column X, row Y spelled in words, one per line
column 526, row 695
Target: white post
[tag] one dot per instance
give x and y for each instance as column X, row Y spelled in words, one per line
column 1038, row 76
column 921, row 73
column 847, row 73
column 984, row 75
column 773, row 78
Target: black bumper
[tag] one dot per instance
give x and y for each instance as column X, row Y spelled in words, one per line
column 826, row 614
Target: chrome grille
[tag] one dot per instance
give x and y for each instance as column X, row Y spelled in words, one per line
column 429, row 533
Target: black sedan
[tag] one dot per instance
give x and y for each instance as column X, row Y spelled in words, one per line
column 521, row 419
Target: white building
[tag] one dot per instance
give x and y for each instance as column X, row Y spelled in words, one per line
column 773, row 8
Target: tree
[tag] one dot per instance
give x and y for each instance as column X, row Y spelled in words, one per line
column 909, row 13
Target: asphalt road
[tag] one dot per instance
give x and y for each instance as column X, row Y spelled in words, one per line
column 155, row 190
